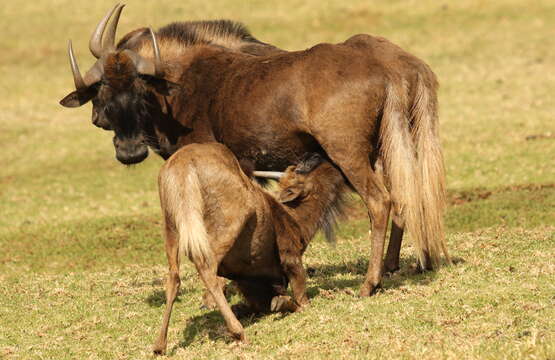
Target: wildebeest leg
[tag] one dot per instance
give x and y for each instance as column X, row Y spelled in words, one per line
column 290, row 255
column 172, row 288
column 297, row 278
column 391, row 263
column 378, row 208
column 370, row 186
column 208, row 301
column 282, row 302
column 208, row 275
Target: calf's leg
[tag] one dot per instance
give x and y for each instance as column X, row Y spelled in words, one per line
column 208, row 274
column 172, row 288
column 294, row 270
column 208, row 301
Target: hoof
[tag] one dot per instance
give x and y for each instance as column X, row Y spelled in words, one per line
column 159, row 350
column 390, row 270
column 369, row 290
column 278, row 303
column 240, row 337
column 283, row 303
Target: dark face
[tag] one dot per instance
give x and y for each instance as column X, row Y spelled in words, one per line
column 123, row 112
column 122, row 98
column 116, row 84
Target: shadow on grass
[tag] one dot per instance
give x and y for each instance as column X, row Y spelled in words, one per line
column 212, row 325
column 158, row 298
column 325, row 275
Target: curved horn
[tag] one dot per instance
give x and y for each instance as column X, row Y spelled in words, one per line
column 95, row 43
column 158, row 72
column 276, row 175
column 109, row 43
column 77, row 78
column 91, row 76
column 147, row 66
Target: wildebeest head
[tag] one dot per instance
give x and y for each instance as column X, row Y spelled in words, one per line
column 121, row 85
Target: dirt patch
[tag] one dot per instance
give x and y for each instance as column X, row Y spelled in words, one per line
column 465, row 196
column 547, row 135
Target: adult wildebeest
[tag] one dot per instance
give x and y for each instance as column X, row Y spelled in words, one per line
column 229, row 226
column 366, row 104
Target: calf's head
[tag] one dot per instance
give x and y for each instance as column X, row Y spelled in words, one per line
column 122, row 86
column 315, row 188
column 309, row 178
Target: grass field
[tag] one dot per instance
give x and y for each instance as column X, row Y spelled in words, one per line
column 81, row 253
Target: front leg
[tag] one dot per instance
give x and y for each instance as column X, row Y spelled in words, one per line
column 295, row 272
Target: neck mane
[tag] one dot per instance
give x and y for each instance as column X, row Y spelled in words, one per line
column 177, row 37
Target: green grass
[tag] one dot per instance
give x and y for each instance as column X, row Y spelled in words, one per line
column 81, row 253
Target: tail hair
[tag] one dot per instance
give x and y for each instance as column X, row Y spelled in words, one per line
column 184, row 208
column 430, row 165
column 414, row 165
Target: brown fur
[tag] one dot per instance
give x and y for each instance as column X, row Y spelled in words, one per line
column 229, row 226
column 119, row 71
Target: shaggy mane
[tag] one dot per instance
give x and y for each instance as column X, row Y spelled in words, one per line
column 218, row 32
column 176, row 37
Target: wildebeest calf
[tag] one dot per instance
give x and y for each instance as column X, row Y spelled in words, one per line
column 229, row 226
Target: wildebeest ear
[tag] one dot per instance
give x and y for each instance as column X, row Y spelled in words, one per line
column 78, row 98
column 290, row 193
column 309, row 162
column 162, row 86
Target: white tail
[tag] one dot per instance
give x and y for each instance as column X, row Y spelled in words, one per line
column 183, row 206
column 415, row 171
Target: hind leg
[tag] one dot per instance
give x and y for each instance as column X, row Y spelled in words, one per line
column 172, row 288
column 352, row 157
column 208, row 274
column 208, row 301
column 373, row 192
column 391, row 263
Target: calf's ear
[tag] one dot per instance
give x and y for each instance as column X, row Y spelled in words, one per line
column 290, row 193
column 78, row 98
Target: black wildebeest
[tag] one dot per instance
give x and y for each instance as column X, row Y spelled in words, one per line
column 366, row 104
column 229, row 226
